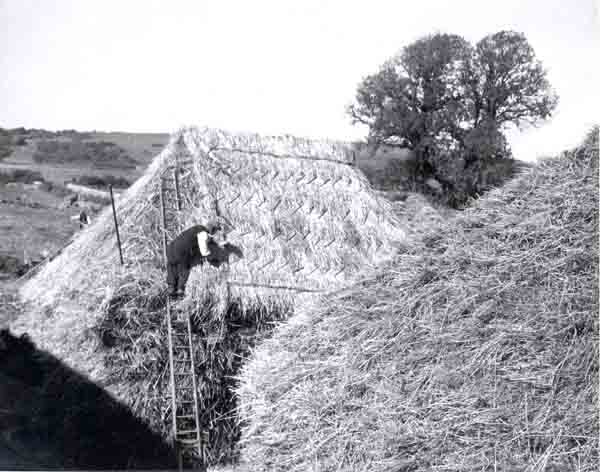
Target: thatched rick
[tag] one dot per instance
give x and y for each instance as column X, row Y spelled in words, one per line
column 304, row 220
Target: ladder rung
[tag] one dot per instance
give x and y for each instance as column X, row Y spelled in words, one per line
column 185, row 410
column 179, row 325
column 179, row 333
column 187, row 431
column 189, row 441
column 186, row 396
column 185, row 417
column 181, row 408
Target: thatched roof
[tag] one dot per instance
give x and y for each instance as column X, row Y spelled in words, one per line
column 303, row 217
column 475, row 349
column 300, row 213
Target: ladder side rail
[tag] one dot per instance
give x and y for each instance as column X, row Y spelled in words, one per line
column 171, row 203
column 195, row 391
column 169, row 327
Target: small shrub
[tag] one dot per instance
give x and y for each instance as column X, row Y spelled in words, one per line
column 103, row 181
column 10, row 265
column 5, row 144
column 460, row 180
column 56, row 189
column 5, row 151
column 25, row 176
column 98, row 153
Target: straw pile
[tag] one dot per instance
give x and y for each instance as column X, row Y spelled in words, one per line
column 301, row 219
column 476, row 349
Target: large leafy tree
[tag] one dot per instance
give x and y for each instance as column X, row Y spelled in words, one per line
column 510, row 83
column 442, row 97
column 416, row 95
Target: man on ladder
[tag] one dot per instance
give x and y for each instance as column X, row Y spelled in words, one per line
column 190, row 248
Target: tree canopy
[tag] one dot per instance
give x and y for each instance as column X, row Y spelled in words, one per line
column 442, row 95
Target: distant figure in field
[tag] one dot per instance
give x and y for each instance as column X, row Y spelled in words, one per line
column 84, row 219
column 189, row 249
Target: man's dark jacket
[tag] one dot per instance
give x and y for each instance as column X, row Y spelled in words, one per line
column 184, row 248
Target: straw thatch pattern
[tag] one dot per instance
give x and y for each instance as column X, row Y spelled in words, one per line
column 302, row 220
column 475, row 349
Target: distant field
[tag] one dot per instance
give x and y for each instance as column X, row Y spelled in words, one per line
column 31, row 224
column 25, row 230
column 140, row 147
column 60, row 174
column 28, row 195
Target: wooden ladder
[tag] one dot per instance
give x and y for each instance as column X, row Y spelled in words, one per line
column 184, row 394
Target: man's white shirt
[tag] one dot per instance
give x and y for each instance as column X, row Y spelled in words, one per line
column 202, row 243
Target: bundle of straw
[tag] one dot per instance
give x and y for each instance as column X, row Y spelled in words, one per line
column 476, row 349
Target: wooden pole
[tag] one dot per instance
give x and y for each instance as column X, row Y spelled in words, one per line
column 163, row 222
column 112, row 201
column 177, row 195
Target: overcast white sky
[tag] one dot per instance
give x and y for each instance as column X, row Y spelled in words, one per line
column 267, row 66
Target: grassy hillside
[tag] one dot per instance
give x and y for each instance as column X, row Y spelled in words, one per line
column 34, row 220
column 139, row 146
column 476, row 349
column 67, row 155
column 99, row 154
column 33, row 229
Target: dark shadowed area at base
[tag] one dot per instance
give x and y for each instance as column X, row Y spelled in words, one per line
column 52, row 417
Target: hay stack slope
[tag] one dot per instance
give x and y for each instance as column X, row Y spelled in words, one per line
column 477, row 349
column 301, row 219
